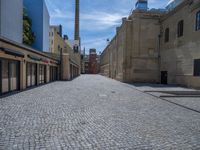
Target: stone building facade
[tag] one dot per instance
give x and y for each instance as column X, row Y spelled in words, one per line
column 59, row 46
column 93, row 61
column 181, row 50
column 139, row 51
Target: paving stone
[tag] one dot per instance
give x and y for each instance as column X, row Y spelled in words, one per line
column 94, row 112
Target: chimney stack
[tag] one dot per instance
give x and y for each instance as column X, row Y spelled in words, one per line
column 76, row 32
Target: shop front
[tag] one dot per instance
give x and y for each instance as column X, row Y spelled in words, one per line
column 53, row 73
column 42, row 74
column 9, row 76
column 31, row 74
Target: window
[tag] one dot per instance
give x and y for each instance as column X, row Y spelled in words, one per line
column 167, row 35
column 198, row 21
column 31, row 74
column 180, row 28
column 9, row 76
column 197, row 67
column 42, row 71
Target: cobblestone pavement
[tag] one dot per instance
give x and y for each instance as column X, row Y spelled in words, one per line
column 93, row 112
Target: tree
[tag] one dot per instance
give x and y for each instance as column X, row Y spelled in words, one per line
column 28, row 35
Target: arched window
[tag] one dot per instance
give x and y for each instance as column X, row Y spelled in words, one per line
column 167, row 35
column 198, row 21
column 180, row 28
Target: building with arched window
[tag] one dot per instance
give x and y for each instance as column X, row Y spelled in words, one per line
column 155, row 46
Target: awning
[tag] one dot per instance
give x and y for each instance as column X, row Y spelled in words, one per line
column 34, row 58
column 12, row 52
column 44, row 60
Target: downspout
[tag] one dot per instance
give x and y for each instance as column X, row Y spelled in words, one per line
column 61, row 64
column 0, row 17
column 159, row 55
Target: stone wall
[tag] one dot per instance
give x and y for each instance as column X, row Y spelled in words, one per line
column 177, row 55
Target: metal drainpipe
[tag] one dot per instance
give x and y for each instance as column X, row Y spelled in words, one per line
column 61, row 64
column 159, row 56
column 0, row 17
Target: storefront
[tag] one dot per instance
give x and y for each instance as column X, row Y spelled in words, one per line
column 42, row 74
column 22, row 67
column 31, row 74
column 53, row 73
column 9, row 76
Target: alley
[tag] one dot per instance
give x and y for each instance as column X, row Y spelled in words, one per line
column 94, row 112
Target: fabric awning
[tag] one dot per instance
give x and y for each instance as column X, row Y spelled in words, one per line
column 12, row 52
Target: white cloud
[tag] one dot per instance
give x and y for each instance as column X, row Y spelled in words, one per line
column 103, row 18
column 93, row 21
column 100, row 20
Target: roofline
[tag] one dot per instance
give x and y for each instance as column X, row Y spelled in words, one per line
column 176, row 9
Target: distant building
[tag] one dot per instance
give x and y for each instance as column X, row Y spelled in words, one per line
column 90, row 64
column 37, row 11
column 58, row 29
column 75, row 45
column 11, row 19
column 56, row 42
column 93, row 61
column 86, row 64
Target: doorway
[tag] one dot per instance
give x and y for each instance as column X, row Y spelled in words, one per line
column 164, row 77
column 31, row 74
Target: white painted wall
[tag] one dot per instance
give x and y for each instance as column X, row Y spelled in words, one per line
column 11, row 19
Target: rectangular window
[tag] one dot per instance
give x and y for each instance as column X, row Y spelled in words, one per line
column 180, row 28
column 197, row 67
column 198, row 21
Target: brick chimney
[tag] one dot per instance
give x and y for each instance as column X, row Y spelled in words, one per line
column 76, row 32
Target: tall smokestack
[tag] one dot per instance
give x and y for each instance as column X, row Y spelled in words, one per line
column 76, row 32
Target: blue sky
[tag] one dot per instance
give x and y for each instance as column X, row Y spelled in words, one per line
column 98, row 18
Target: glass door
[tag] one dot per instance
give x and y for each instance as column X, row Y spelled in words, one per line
column 13, row 76
column 42, row 70
column 9, row 76
column 31, row 74
column 5, row 76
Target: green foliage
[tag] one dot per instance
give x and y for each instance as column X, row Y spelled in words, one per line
column 28, row 35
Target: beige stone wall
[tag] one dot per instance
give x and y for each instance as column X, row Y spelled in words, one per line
column 104, row 63
column 177, row 55
column 66, row 67
column 138, row 52
column 132, row 55
column 145, row 30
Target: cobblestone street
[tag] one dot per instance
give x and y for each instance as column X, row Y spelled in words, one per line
column 94, row 112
